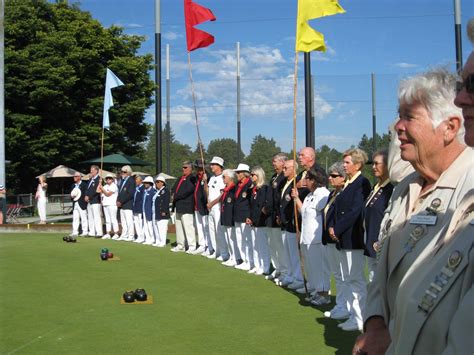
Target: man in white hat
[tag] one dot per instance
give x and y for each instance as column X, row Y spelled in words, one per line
column 241, row 215
column 217, row 246
column 79, row 206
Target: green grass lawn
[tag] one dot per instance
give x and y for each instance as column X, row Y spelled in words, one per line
column 58, row 297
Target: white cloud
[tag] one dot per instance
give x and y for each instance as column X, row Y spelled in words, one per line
column 171, row 36
column 404, row 65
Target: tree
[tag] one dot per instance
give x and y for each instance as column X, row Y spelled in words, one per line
column 262, row 151
column 326, row 156
column 178, row 152
column 55, row 63
column 366, row 143
column 226, row 148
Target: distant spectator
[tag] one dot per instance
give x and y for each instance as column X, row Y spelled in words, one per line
column 40, row 197
column 3, row 203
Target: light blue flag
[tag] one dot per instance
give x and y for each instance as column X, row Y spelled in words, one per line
column 111, row 82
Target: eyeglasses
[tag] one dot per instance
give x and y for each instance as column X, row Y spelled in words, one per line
column 468, row 84
column 334, row 175
column 123, row 172
column 185, row 167
column 377, row 163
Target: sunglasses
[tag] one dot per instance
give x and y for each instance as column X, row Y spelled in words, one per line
column 468, row 84
column 334, row 175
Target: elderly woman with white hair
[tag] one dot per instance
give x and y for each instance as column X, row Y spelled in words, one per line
column 410, row 309
column 259, row 220
column 227, row 216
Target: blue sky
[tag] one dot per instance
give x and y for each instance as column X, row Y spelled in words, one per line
column 391, row 38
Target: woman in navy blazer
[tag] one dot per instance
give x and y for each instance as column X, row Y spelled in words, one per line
column 375, row 207
column 348, row 232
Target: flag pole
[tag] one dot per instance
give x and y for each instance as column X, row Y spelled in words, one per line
column 195, row 109
column 101, row 154
column 298, row 233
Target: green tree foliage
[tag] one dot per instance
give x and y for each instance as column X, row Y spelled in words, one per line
column 178, row 152
column 55, row 63
column 366, row 144
column 326, row 156
column 262, row 151
column 226, row 148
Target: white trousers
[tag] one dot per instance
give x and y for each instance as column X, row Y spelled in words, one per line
column 316, row 267
column 161, row 231
column 202, row 228
column 79, row 217
column 229, row 233
column 216, row 234
column 371, row 266
column 41, row 204
column 354, row 283
column 261, row 255
column 278, row 251
column 126, row 219
column 148, row 231
column 138, row 224
column 335, row 267
column 111, row 223
column 243, row 238
column 294, row 269
column 185, row 230
column 95, row 219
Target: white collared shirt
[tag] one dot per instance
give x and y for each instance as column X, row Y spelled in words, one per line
column 312, row 216
column 216, row 185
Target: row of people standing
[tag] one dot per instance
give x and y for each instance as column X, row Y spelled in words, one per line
column 142, row 205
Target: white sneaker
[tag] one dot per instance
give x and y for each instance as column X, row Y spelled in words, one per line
column 191, row 250
column 269, row 277
column 177, row 249
column 206, row 253
column 259, row 272
column 229, row 262
column 115, row 237
column 212, row 256
column 147, row 243
column 243, row 266
column 158, row 245
column 350, row 325
column 106, row 236
column 199, row 250
column 252, row 270
column 337, row 314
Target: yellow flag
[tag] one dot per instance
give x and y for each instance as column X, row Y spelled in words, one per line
column 307, row 39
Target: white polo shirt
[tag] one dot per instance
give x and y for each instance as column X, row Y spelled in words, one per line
column 112, row 199
column 215, row 185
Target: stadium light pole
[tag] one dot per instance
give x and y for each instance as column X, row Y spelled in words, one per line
column 158, row 86
column 457, row 33
column 2, row 92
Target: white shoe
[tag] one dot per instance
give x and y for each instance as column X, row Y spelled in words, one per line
column 121, row 239
column 337, row 314
column 221, row 258
column 177, row 249
column 259, row 272
column 212, row 256
column 229, row 262
column 243, row 266
column 350, row 325
column 83, row 235
column 206, row 253
column 199, row 250
column 147, row 243
column 252, row 270
column 115, row 237
column 106, row 236
column 269, row 277
column 158, row 245
column 191, row 250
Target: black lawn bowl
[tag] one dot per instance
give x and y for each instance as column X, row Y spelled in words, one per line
column 128, row 296
column 104, row 256
column 140, row 294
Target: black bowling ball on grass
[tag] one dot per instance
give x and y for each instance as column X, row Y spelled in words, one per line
column 104, row 256
column 140, row 294
column 128, row 296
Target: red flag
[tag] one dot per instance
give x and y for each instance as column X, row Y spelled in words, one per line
column 195, row 14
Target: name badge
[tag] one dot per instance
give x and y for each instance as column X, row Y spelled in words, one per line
column 428, row 220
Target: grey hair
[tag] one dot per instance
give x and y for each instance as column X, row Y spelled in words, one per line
column 257, row 170
column 383, row 153
column 230, row 174
column 280, row 156
column 337, row 167
column 435, row 90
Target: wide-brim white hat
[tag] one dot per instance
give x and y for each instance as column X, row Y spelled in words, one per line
column 76, row 194
column 218, row 161
column 160, row 177
column 243, row 167
column 148, row 180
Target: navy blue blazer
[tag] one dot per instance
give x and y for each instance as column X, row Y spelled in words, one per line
column 242, row 202
column 126, row 191
column 200, row 198
column 82, row 202
column 227, row 208
column 287, row 211
column 273, row 198
column 258, row 211
column 91, row 190
column 349, row 214
column 162, row 204
column 183, row 199
column 328, row 220
column 138, row 199
column 148, row 203
column 374, row 212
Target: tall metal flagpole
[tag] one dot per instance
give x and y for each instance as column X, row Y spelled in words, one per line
column 374, row 118
column 158, row 86
column 168, row 123
column 2, row 92
column 457, row 31
column 309, row 124
column 238, row 103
